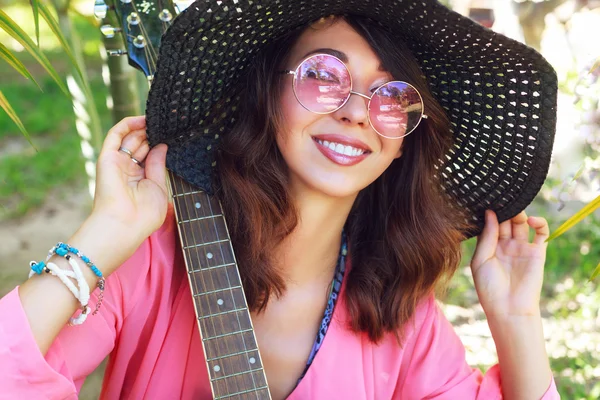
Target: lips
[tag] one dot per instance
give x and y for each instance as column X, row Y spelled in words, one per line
column 332, row 146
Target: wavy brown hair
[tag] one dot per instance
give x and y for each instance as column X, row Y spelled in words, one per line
column 403, row 235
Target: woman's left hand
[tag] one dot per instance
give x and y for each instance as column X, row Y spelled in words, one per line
column 508, row 270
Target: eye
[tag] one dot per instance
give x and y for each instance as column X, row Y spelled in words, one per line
column 322, row 75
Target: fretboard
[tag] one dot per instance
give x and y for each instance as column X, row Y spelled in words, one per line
column 233, row 360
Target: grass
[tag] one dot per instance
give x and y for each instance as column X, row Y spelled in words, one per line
column 28, row 176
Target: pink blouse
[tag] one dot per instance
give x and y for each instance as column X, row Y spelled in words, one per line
column 148, row 326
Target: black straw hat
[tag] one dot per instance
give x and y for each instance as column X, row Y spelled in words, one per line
column 499, row 94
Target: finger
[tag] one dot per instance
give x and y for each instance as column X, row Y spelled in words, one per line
column 142, row 150
column 155, row 165
column 114, row 137
column 542, row 231
column 505, row 230
column 487, row 240
column 133, row 140
column 520, row 228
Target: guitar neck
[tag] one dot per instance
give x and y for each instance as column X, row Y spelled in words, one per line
column 231, row 351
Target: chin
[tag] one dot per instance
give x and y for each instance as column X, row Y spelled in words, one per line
column 335, row 188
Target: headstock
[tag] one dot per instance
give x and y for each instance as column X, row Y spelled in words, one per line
column 141, row 23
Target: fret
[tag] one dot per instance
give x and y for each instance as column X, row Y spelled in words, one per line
column 217, row 325
column 227, row 334
column 234, row 364
column 209, row 268
column 253, row 394
column 216, row 279
column 229, row 355
column 214, row 291
column 185, row 194
column 227, row 345
column 201, row 218
column 234, row 375
column 205, row 244
column 211, row 255
column 223, row 313
column 221, row 301
column 245, row 383
column 203, row 231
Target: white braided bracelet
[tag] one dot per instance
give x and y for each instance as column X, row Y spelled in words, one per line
column 81, row 293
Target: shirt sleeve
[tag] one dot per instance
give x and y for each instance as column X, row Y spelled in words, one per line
column 438, row 368
column 77, row 350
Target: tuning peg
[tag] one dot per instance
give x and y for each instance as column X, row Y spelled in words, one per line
column 165, row 15
column 133, row 18
column 116, row 53
column 100, row 9
column 139, row 42
column 109, row 31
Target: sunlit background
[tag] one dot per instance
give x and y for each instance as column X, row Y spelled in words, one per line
column 45, row 195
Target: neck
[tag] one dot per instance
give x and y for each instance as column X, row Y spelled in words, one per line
column 309, row 254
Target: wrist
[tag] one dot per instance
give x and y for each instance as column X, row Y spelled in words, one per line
column 107, row 243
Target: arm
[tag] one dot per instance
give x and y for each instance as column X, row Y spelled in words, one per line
column 438, row 369
column 39, row 356
column 508, row 271
column 130, row 203
column 524, row 364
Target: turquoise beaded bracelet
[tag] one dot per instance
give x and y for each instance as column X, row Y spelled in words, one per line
column 62, row 249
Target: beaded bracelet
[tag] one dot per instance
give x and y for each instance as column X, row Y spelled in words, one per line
column 82, row 293
column 62, row 249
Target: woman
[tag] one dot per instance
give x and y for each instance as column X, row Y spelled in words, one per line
column 322, row 173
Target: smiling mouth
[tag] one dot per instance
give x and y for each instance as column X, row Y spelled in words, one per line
column 344, row 150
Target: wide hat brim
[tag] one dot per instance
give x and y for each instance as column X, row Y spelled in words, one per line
column 499, row 94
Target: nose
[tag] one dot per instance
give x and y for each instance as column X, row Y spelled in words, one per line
column 355, row 110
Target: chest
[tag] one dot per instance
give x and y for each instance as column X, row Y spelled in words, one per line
column 286, row 334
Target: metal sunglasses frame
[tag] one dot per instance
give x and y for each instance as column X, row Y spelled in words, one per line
column 295, row 74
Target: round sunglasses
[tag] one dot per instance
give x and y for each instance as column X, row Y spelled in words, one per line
column 323, row 84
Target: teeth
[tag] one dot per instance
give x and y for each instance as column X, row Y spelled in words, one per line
column 341, row 149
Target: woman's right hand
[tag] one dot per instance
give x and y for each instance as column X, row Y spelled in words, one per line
column 131, row 196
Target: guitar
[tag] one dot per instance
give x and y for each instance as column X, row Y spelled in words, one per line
column 230, row 347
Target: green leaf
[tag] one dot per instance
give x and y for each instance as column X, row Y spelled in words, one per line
column 596, row 273
column 11, row 113
column 53, row 24
column 16, row 64
column 36, row 19
column 578, row 216
column 18, row 34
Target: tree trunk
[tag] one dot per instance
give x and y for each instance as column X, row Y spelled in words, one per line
column 123, row 81
column 87, row 120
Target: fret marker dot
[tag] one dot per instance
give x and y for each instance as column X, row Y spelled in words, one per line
column 197, row 205
column 209, row 255
column 220, row 302
column 252, row 360
column 217, row 368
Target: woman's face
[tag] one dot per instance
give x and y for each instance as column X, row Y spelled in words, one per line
column 312, row 166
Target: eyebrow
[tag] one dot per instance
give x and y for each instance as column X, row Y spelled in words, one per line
column 336, row 53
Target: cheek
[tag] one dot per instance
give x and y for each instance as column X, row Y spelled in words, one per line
column 392, row 147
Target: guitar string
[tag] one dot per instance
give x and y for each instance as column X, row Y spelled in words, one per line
column 203, row 195
column 186, row 192
column 232, row 298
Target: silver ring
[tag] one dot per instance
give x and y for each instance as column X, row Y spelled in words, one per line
column 126, row 151
column 135, row 161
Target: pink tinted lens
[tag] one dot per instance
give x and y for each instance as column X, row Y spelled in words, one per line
column 396, row 109
column 322, row 83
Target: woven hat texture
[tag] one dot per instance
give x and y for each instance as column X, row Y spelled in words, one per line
column 499, row 94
